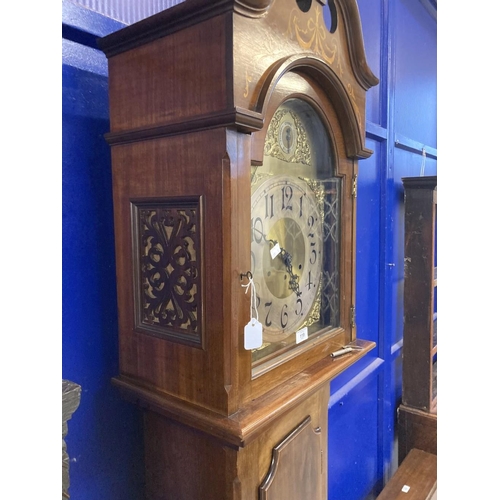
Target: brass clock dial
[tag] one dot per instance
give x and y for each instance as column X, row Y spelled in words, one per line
column 286, row 253
column 295, row 222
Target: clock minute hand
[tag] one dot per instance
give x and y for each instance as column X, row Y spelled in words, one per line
column 286, row 258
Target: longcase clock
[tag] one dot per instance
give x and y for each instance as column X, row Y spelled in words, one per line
column 236, row 129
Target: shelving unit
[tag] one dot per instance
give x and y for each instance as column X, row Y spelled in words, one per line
column 418, row 411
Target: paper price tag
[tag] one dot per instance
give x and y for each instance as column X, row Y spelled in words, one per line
column 301, row 335
column 275, row 251
column 253, row 335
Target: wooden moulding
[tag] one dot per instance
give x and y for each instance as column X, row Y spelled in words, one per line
column 240, row 428
column 243, row 120
column 163, row 24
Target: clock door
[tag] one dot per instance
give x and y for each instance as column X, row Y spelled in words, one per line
column 295, row 233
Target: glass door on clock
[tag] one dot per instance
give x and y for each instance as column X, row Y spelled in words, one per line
column 295, row 232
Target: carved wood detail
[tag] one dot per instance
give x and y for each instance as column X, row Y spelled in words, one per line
column 167, row 261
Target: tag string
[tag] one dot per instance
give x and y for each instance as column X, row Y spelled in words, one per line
column 422, row 165
column 253, row 298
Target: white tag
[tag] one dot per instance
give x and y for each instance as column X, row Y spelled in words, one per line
column 301, row 335
column 275, row 250
column 405, row 489
column 253, row 335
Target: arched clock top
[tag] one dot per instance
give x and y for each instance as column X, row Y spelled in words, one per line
column 305, row 21
column 311, row 34
column 342, row 98
column 242, row 48
column 356, row 46
column 318, row 39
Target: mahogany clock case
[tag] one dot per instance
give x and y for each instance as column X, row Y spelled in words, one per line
column 192, row 93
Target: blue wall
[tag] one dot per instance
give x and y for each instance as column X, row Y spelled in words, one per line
column 105, row 434
column 400, row 41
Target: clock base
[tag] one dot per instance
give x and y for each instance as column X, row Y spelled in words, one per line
column 186, row 464
column 195, row 453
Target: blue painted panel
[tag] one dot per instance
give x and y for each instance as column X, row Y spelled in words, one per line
column 415, row 69
column 105, row 433
column 352, row 443
column 367, row 248
column 371, row 18
column 87, row 59
column 356, row 471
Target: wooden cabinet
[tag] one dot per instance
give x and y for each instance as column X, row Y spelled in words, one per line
column 236, row 129
column 418, row 412
column 415, row 479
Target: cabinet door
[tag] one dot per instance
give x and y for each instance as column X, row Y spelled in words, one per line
column 295, row 472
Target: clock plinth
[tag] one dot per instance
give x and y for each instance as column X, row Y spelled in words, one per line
column 216, row 112
column 195, row 453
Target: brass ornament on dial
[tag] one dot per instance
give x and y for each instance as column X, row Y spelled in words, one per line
column 287, row 137
column 286, row 253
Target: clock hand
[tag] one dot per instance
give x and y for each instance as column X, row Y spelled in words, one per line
column 286, row 258
column 293, row 283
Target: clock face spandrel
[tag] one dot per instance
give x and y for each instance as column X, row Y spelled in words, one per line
column 295, row 218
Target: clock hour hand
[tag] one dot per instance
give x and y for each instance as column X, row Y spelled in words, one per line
column 286, row 258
